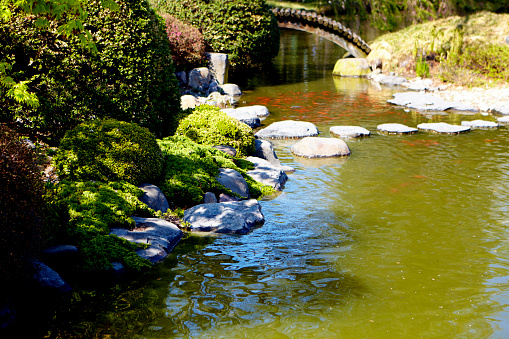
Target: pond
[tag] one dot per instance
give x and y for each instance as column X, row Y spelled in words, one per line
column 407, row 237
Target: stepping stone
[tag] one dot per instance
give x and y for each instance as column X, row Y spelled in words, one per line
column 246, row 117
column 480, row 124
column 257, row 110
column 427, row 102
column 443, row 127
column 504, row 120
column 349, row 131
column 288, row 129
column 312, row 147
column 396, row 129
column 228, row 217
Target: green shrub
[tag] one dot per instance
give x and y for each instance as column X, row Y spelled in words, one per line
column 244, row 29
column 131, row 77
column 21, row 207
column 90, row 209
column 109, row 150
column 476, row 65
column 210, row 126
column 190, row 170
column 186, row 43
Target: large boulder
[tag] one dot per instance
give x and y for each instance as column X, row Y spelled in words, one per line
column 218, row 66
column 154, row 198
column 266, row 173
column 234, row 181
column 288, row 129
column 312, row 147
column 443, row 127
column 199, row 78
column 229, row 217
column 161, row 235
column 352, row 67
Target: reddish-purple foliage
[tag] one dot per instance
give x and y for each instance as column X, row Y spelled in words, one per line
column 186, row 42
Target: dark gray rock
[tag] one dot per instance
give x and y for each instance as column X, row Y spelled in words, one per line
column 480, row 124
column 349, row 131
column 234, row 181
column 264, row 150
column 60, row 250
column 226, row 149
column 248, row 118
column 61, row 257
column 218, row 66
column 209, row 198
column 154, row 198
column 288, row 129
column 199, row 78
column 49, row 278
column 213, row 86
column 7, row 315
column 162, row 236
column 267, row 174
column 443, row 127
column 313, row 147
column 182, row 77
column 396, row 129
column 223, row 197
column 392, row 80
column 229, row 217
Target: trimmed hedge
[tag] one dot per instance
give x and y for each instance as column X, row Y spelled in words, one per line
column 191, row 169
column 244, row 29
column 21, row 208
column 109, row 150
column 208, row 125
column 131, row 77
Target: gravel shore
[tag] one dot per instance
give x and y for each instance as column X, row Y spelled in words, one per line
column 485, row 99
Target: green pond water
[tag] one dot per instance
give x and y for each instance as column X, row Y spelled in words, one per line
column 405, row 238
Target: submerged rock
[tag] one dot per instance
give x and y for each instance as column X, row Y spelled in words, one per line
column 229, row 217
column 288, row 129
column 349, row 131
column 443, row 127
column 396, row 129
column 312, row 147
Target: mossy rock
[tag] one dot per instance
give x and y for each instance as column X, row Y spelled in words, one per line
column 352, row 67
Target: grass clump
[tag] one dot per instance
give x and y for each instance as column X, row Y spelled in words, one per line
column 109, row 150
column 190, row 170
column 208, row 125
column 88, row 210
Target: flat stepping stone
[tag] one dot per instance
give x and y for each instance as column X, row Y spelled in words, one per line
column 288, row 129
column 443, row 127
column 257, row 110
column 503, row 120
column 427, row 102
column 480, row 124
column 312, row 147
column 349, row 131
column 396, row 129
column 234, row 217
column 267, row 174
column 246, row 117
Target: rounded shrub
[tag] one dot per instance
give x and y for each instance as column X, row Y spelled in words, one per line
column 21, row 207
column 130, row 77
column 244, row 29
column 208, row 125
column 109, row 150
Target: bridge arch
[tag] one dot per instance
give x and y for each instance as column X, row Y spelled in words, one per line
column 327, row 28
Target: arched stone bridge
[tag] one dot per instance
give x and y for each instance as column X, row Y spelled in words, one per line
column 325, row 27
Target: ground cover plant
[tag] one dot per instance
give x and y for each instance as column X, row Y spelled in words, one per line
column 129, row 77
column 190, row 170
column 210, row 126
column 244, row 29
column 109, row 150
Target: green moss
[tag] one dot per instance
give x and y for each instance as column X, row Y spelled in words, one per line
column 89, row 210
column 109, row 150
column 190, row 170
column 208, row 125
